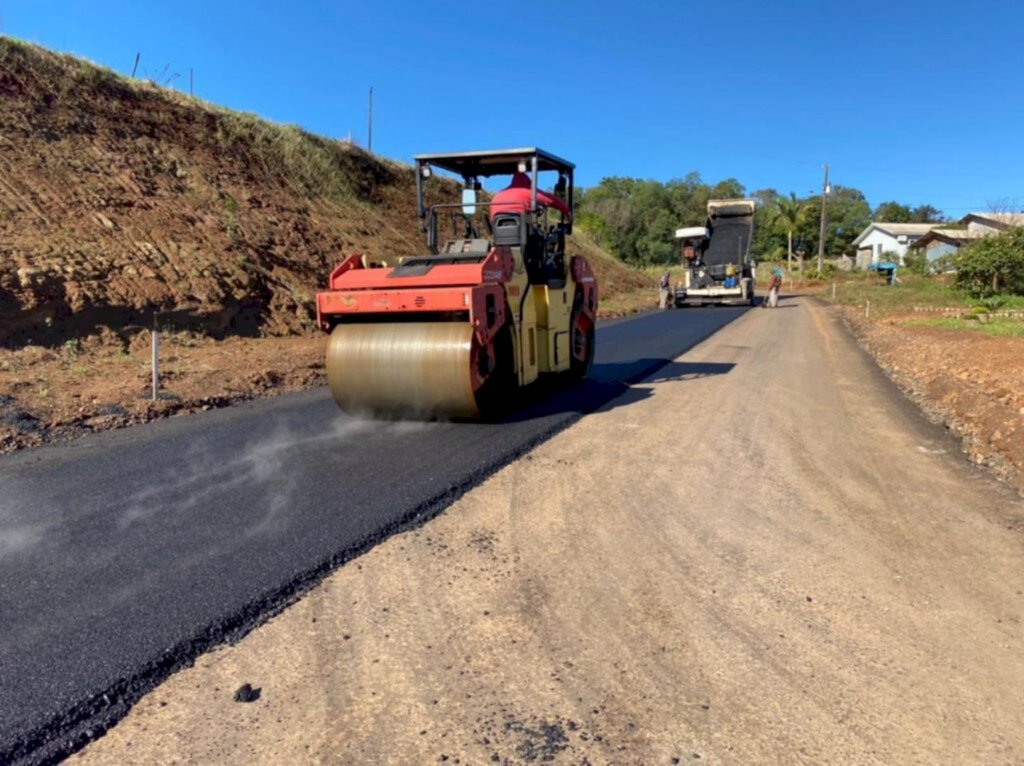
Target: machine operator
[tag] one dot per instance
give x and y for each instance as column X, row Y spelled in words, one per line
column 516, row 198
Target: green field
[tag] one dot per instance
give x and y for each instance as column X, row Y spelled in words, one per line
column 859, row 288
column 998, row 327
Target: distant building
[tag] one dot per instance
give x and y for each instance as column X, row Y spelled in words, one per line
column 944, row 240
column 880, row 238
column 992, row 223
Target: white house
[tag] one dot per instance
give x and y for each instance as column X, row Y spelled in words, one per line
column 880, row 238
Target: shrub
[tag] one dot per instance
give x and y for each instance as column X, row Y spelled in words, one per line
column 994, row 303
column 915, row 261
column 828, row 271
column 944, row 264
column 992, row 265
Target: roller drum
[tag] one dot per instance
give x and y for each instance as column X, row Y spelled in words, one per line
column 412, row 369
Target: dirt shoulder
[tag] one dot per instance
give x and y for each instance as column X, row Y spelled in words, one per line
column 970, row 382
column 49, row 395
column 798, row 570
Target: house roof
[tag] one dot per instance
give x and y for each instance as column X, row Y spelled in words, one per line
column 952, row 236
column 1001, row 220
column 896, row 229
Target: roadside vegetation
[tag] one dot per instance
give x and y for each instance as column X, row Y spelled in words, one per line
column 997, row 327
column 953, row 342
column 988, row 282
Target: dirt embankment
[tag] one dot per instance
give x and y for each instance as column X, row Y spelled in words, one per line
column 972, row 383
column 122, row 204
column 119, row 200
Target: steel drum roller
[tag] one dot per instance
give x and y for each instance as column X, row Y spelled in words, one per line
column 404, row 368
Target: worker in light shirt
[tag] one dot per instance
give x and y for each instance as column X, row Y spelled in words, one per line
column 663, row 289
column 774, row 287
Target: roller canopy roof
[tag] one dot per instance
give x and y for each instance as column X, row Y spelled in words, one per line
column 497, row 162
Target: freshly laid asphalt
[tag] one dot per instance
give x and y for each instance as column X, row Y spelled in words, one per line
column 126, row 554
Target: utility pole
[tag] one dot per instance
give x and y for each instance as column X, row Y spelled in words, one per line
column 825, row 190
column 369, row 130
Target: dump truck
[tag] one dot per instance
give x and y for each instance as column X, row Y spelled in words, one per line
column 458, row 331
column 716, row 257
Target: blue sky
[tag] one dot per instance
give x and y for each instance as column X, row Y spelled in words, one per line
column 915, row 101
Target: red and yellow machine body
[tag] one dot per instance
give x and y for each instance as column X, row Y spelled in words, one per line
column 453, row 334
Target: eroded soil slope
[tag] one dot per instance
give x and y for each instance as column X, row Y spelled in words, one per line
column 119, row 199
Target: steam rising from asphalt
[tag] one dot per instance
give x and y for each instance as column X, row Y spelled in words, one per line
column 264, row 464
column 199, row 481
column 19, row 531
column 15, row 539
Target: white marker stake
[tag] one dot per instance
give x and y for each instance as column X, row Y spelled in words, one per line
column 867, row 309
column 156, row 365
column 833, row 292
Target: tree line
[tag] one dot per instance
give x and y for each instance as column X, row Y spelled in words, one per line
column 636, row 218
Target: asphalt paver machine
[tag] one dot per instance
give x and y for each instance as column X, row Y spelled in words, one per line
column 716, row 256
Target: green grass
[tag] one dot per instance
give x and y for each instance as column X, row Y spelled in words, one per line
column 857, row 288
column 1009, row 302
column 997, row 327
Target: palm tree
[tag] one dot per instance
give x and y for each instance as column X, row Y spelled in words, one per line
column 790, row 216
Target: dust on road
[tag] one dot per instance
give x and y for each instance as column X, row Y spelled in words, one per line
column 762, row 555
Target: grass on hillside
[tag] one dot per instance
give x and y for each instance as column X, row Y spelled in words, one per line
column 318, row 166
column 623, row 289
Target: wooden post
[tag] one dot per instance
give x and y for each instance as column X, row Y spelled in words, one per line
column 156, row 365
column 821, row 236
column 369, row 128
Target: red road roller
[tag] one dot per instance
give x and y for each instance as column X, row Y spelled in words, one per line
column 457, row 331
